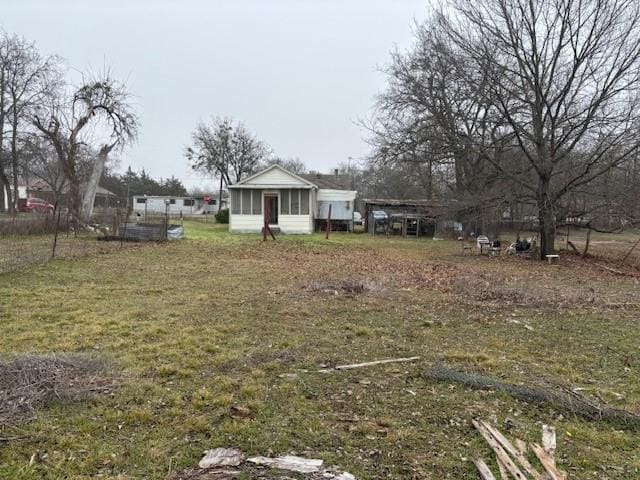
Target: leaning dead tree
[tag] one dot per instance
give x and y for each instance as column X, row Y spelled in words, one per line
column 98, row 114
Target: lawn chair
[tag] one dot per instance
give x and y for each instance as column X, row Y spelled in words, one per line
column 466, row 247
column 496, row 248
column 483, row 243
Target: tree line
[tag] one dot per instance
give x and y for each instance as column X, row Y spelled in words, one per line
column 55, row 129
column 130, row 183
column 519, row 105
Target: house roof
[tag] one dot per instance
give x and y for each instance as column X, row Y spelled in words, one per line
column 330, row 182
column 429, row 207
column 310, row 180
column 245, row 182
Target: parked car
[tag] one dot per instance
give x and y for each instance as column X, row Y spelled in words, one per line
column 35, row 205
column 357, row 218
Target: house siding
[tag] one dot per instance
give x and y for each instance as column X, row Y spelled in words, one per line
column 299, row 224
column 341, row 201
column 276, row 177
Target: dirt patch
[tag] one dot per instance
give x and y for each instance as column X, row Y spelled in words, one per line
column 521, row 292
column 345, row 287
column 31, row 382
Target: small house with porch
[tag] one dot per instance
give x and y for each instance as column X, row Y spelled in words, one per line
column 290, row 203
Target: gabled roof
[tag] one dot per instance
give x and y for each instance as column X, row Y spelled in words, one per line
column 250, row 181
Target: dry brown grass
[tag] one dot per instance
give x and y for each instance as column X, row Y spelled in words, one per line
column 30, row 382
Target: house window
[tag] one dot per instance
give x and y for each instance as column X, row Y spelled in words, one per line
column 295, row 202
column 188, row 202
column 256, row 198
column 172, row 201
column 304, row 202
column 141, row 200
column 235, row 202
column 246, row 202
column 284, row 202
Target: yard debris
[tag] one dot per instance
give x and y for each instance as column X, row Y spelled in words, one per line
column 510, row 459
column 565, row 400
column 289, row 462
column 369, row 364
column 230, row 463
column 221, row 457
column 346, row 287
column 31, row 381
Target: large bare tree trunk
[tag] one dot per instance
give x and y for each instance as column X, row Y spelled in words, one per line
column 546, row 217
column 75, row 201
column 92, row 186
column 547, row 228
column 13, row 204
column 6, row 187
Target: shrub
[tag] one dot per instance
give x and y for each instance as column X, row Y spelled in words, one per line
column 222, row 216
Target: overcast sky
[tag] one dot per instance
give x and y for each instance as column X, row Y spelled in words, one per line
column 298, row 73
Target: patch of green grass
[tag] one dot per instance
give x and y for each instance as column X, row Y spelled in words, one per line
column 219, row 344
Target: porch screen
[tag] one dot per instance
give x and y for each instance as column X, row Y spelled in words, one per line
column 304, row 202
column 235, row 202
column 295, row 202
column 256, row 208
column 246, row 202
column 284, row 202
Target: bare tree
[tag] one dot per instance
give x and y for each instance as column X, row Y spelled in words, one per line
column 294, row 165
column 564, row 79
column 532, row 99
column 225, row 150
column 98, row 113
column 40, row 162
column 25, row 78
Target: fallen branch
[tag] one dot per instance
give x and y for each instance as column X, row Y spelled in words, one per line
column 616, row 272
column 570, row 402
column 369, row 364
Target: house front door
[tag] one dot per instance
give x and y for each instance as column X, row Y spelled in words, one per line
column 271, row 208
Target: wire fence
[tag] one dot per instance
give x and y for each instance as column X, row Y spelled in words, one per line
column 29, row 239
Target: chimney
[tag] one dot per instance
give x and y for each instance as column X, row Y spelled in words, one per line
column 335, row 171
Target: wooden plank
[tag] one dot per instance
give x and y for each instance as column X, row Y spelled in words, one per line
column 485, row 473
column 511, row 450
column 549, row 440
column 500, row 452
column 504, row 472
column 368, row 364
column 548, row 463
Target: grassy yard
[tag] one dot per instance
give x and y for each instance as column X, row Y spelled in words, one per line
column 216, row 341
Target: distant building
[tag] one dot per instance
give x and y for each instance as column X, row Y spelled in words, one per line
column 155, row 204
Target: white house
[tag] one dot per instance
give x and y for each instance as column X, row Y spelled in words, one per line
column 293, row 203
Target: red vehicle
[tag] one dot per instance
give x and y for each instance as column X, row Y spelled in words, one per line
column 35, row 205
